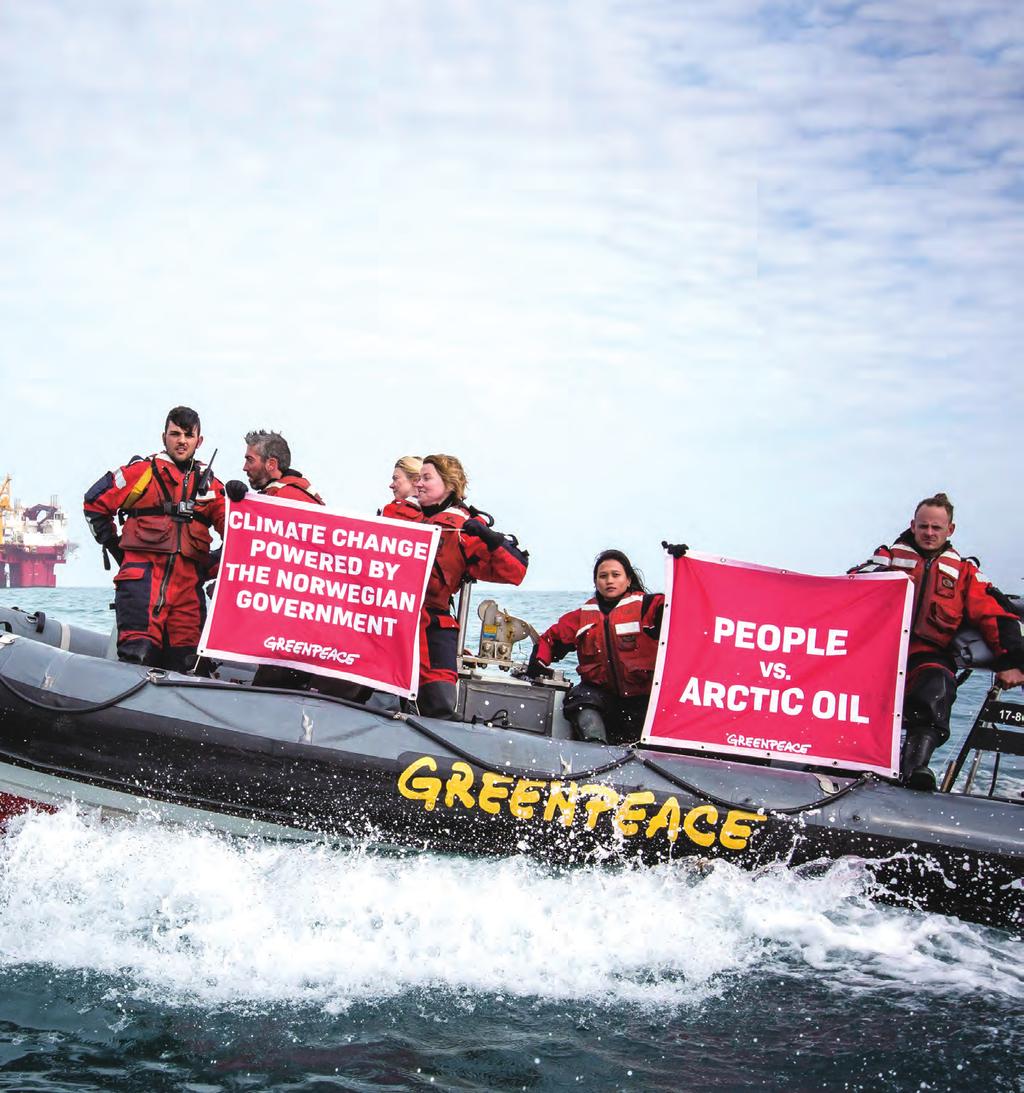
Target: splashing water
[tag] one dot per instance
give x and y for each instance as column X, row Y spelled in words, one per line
column 190, row 917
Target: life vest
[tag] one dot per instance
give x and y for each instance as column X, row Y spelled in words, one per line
column 164, row 514
column 450, row 561
column 405, row 509
column 293, row 486
column 939, row 590
column 461, row 556
column 615, row 651
column 949, row 591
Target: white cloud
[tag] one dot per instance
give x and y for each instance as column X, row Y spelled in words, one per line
column 739, row 274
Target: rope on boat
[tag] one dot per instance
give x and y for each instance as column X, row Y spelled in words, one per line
column 162, row 680
column 158, row 678
column 94, row 707
column 792, row 810
column 519, row 772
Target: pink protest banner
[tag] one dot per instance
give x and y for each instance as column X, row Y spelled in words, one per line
column 306, row 587
column 764, row 662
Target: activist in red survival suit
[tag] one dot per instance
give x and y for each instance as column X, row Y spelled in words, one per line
column 615, row 635
column 469, row 548
column 166, row 505
column 950, row 592
column 403, row 486
column 268, row 466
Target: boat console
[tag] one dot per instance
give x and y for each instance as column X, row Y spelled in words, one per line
column 492, row 687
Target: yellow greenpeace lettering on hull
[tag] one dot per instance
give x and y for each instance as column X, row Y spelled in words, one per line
column 559, row 802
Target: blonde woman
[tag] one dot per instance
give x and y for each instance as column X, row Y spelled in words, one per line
column 403, row 485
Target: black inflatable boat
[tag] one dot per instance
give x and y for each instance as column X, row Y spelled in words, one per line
column 505, row 779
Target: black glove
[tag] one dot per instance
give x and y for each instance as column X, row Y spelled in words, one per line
column 236, row 490
column 677, row 550
column 105, row 533
column 479, row 530
column 536, row 670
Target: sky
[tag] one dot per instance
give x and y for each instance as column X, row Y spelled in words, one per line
column 743, row 275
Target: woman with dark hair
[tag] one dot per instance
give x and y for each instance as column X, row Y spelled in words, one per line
column 615, row 635
column 469, row 549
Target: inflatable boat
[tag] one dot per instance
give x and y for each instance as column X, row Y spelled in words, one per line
column 504, row 778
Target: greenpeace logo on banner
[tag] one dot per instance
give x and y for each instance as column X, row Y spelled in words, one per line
column 765, row 662
column 761, row 744
column 306, row 587
column 307, row 649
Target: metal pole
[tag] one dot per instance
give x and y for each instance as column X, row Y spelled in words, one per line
column 465, row 598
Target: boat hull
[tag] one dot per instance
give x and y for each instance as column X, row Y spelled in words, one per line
column 291, row 765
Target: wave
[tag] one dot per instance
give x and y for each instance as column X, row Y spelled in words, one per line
column 191, row 917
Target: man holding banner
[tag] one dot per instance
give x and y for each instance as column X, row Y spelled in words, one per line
column 268, row 466
column 949, row 592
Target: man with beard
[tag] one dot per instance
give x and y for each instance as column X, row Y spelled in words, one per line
column 268, row 467
column 949, row 592
column 166, row 505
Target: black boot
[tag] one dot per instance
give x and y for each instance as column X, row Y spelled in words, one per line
column 590, row 726
column 917, row 750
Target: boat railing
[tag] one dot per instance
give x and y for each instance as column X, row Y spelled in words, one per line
column 998, row 731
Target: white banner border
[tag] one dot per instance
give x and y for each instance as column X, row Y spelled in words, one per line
column 728, row 750
column 303, row 666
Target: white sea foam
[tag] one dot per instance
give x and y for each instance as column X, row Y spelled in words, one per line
column 191, row 917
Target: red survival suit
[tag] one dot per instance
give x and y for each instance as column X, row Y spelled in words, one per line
column 949, row 591
column 485, row 556
column 293, row 487
column 164, row 550
column 406, row 509
column 617, row 647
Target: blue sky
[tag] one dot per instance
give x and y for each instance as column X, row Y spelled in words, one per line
column 745, row 275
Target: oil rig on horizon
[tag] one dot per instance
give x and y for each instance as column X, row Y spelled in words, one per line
column 32, row 541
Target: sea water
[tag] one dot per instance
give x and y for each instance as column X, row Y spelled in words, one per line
column 144, row 956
